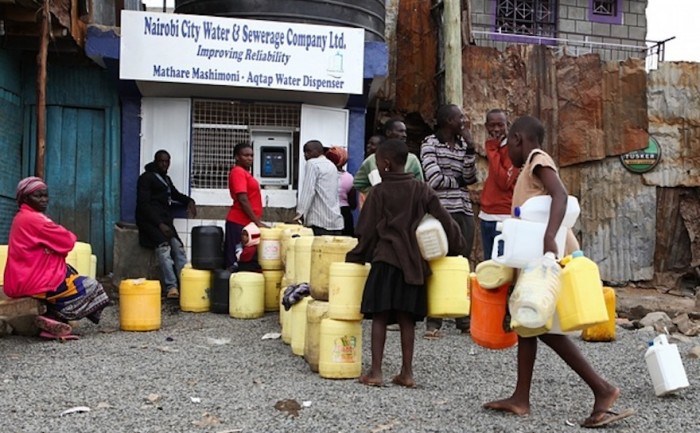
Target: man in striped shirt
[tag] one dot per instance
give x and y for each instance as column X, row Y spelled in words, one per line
column 319, row 204
column 448, row 160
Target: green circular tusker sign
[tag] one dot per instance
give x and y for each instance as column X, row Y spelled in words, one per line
column 642, row 161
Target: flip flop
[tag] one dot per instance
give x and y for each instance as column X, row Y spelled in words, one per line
column 606, row 417
column 52, row 326
column 432, row 334
column 50, row 336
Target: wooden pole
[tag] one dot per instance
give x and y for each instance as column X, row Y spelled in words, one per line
column 41, row 92
column 452, row 30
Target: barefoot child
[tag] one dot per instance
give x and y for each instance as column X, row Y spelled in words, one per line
column 539, row 176
column 395, row 289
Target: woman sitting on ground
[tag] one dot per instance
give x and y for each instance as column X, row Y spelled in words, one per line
column 36, row 265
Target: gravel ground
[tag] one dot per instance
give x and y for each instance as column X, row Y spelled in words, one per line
column 114, row 372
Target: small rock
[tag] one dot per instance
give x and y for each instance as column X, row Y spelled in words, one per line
column 625, row 323
column 659, row 321
column 291, row 407
column 678, row 338
column 694, row 353
column 687, row 326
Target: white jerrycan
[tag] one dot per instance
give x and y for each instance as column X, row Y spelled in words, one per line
column 665, row 366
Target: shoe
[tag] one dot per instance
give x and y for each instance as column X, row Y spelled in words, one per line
column 173, row 293
column 393, row 327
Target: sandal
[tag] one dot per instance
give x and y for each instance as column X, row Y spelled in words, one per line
column 52, row 326
column 432, row 334
column 602, row 418
column 173, row 293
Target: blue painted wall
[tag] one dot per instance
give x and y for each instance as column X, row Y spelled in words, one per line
column 10, row 137
column 82, row 148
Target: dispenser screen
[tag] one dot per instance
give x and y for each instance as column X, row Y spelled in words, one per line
column 273, row 162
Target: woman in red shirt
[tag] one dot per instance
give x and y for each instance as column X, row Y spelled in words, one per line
column 247, row 201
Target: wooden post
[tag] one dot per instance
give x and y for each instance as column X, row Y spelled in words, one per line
column 41, row 92
column 453, row 52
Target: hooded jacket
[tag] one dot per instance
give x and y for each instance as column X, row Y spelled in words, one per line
column 153, row 197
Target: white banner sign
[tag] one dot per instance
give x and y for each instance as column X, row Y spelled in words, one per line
column 235, row 52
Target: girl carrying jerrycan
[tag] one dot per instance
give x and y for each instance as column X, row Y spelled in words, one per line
column 539, row 176
column 395, row 290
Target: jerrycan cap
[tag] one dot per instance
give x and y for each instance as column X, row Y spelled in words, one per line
column 577, row 253
column 517, row 212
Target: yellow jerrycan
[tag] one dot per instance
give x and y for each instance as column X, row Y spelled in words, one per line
column 273, row 284
column 581, row 302
column 331, row 251
column 604, row 331
column 195, row 285
column 93, row 266
column 493, row 275
column 290, row 261
column 139, row 305
column 340, row 349
column 346, row 285
column 299, row 325
column 448, row 287
column 316, row 311
column 80, row 258
column 291, row 231
column 533, row 302
column 269, row 250
column 246, row 295
column 302, row 259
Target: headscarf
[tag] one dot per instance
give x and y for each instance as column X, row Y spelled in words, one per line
column 337, row 155
column 253, row 234
column 27, row 186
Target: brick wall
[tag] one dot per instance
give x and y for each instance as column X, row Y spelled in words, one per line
column 573, row 23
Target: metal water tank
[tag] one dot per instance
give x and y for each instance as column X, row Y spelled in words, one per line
column 366, row 14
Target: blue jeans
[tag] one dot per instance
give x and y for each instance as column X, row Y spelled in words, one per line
column 171, row 259
column 488, row 233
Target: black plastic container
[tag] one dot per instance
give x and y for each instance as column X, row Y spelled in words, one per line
column 207, row 247
column 219, row 295
column 365, row 14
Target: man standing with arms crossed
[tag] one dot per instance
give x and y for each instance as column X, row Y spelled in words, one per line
column 448, row 158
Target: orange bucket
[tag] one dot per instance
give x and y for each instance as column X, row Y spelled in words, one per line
column 487, row 315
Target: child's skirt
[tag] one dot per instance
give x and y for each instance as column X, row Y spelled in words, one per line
column 386, row 290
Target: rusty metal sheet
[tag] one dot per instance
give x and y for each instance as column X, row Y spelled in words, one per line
column 672, row 241
column 579, row 91
column 519, row 80
column 617, row 226
column 388, row 88
column 416, row 48
column 625, row 120
column 674, row 121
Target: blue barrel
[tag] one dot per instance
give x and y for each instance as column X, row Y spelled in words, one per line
column 207, row 247
column 219, row 295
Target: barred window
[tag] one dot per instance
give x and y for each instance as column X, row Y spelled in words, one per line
column 527, row 17
column 217, row 126
column 606, row 8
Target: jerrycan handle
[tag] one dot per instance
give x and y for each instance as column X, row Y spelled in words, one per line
column 661, row 340
column 494, row 250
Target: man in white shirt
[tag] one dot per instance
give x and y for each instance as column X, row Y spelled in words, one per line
column 318, row 206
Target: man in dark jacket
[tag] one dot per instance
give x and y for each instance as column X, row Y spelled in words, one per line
column 155, row 220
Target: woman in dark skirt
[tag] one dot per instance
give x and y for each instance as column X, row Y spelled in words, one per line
column 395, row 288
